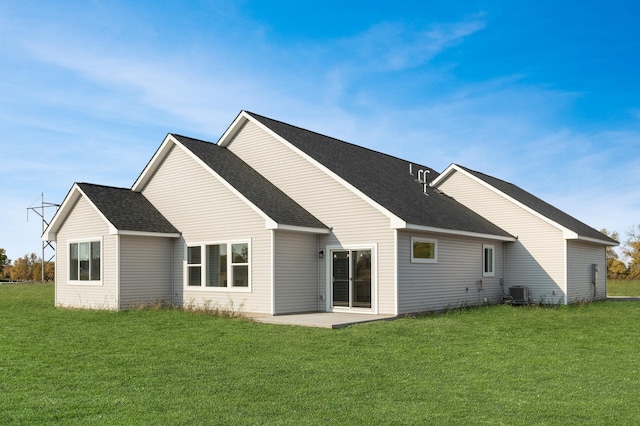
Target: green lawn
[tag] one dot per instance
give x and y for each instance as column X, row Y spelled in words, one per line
column 495, row 365
column 623, row 288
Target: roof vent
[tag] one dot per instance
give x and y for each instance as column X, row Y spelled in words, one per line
column 423, row 178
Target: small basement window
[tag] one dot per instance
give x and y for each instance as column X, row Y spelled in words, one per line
column 424, row 250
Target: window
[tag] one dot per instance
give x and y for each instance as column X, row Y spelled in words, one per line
column 424, row 250
column 488, row 261
column 194, row 266
column 84, row 261
column 217, row 269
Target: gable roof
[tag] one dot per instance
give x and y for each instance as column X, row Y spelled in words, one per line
column 278, row 209
column 556, row 216
column 384, row 179
column 126, row 211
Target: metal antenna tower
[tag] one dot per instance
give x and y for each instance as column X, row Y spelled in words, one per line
column 40, row 211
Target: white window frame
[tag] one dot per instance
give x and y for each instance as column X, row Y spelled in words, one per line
column 492, row 270
column 424, row 240
column 68, row 262
column 230, row 264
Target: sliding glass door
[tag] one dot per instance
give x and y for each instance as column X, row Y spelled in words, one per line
column 351, row 278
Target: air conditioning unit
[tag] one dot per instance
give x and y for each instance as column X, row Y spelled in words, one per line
column 519, row 294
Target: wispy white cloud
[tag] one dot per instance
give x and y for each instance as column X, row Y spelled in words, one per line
column 118, row 83
column 393, row 46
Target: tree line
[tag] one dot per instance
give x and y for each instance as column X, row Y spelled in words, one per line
column 26, row 268
column 630, row 248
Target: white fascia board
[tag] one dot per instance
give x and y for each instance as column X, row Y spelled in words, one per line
column 241, row 120
column 274, row 225
column 234, row 128
column 154, row 163
column 443, row 175
column 457, row 232
column 269, row 223
column 146, row 234
column 566, row 232
column 50, row 233
column 397, row 223
column 595, row 240
column 112, row 228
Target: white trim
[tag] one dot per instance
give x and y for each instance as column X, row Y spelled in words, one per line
column 593, row 240
column 272, row 225
column 89, row 282
column 230, row 264
column 269, row 223
column 566, row 272
column 145, row 234
column 241, row 121
column 374, row 278
column 154, row 163
column 50, row 233
column 491, row 273
column 396, row 292
column 234, row 128
column 273, row 271
column 56, row 265
column 422, row 259
column 117, row 272
column 567, row 233
column 456, row 232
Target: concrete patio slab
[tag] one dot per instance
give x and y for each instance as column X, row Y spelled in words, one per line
column 322, row 319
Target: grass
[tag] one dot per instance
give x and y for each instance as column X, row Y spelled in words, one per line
column 491, row 365
column 623, row 288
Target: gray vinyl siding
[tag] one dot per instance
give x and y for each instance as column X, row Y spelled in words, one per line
column 84, row 223
column 352, row 220
column 296, row 272
column 456, row 280
column 581, row 257
column 206, row 211
column 537, row 258
column 145, row 270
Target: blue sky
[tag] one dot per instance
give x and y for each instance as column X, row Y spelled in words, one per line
column 543, row 94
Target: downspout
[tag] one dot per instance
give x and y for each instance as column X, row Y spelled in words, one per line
column 117, row 271
column 566, row 272
column 273, row 272
column 171, row 272
column 395, row 272
column 604, row 275
column 55, row 274
column 504, row 269
column 319, row 291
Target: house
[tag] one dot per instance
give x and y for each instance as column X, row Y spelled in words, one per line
column 275, row 219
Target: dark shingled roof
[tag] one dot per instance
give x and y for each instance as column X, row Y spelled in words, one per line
column 386, row 180
column 542, row 207
column 127, row 210
column 255, row 187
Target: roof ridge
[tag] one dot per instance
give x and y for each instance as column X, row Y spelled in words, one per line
column 190, row 138
column 104, row 186
column 339, row 140
column 488, row 175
